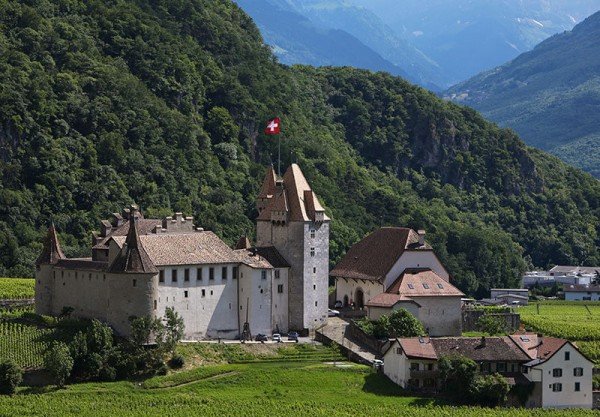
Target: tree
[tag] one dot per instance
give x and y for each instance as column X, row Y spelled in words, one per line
column 458, row 374
column 10, row 377
column 174, row 328
column 490, row 390
column 404, row 324
column 144, row 329
column 492, row 324
column 58, row 362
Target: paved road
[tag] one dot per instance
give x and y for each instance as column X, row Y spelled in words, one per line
column 336, row 330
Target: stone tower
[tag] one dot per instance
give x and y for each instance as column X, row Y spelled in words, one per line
column 133, row 281
column 292, row 220
column 44, row 272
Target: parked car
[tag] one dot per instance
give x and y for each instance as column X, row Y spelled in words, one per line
column 333, row 313
column 293, row 336
column 338, row 304
column 261, row 338
column 276, row 337
column 377, row 364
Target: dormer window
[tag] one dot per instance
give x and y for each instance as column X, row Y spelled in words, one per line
column 412, row 287
column 440, row 286
column 426, row 286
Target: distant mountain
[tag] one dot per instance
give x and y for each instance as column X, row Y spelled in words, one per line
column 465, row 37
column 331, row 32
column 550, row 96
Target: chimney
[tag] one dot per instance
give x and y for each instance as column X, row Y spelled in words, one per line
column 421, row 234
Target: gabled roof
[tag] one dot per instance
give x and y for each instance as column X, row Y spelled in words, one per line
column 144, row 226
column 493, row 349
column 132, row 258
column 293, row 196
column 374, row 256
column 271, row 254
column 389, row 300
column 52, row 252
column 422, row 282
column 538, row 347
column 418, row 348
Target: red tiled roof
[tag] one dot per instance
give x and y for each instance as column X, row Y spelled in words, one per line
column 538, row 347
column 52, row 252
column 389, row 300
column 372, row 257
column 493, row 349
column 145, row 227
column 422, row 283
column 418, row 348
column 268, row 186
column 133, row 258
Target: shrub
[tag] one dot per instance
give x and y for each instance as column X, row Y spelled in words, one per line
column 58, row 362
column 177, row 362
column 492, row 325
column 490, row 390
column 10, row 377
column 403, row 324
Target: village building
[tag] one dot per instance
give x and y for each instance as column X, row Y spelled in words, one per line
column 141, row 266
column 582, row 292
column 394, row 268
column 559, row 375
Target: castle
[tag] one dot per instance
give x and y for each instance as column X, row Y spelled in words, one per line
column 141, row 266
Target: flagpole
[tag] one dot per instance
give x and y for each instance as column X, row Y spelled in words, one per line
column 279, row 155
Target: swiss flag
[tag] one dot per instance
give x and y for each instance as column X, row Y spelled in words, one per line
column 273, row 127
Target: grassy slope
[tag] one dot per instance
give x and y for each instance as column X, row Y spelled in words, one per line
column 250, row 390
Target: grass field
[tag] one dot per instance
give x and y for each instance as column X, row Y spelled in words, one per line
column 16, row 288
column 258, row 389
column 578, row 322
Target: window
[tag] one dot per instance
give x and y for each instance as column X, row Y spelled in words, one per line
column 314, row 270
column 578, row 372
column 414, row 366
column 135, row 282
column 234, row 273
column 426, row 286
column 316, row 303
column 211, row 274
column 211, row 292
column 430, row 367
column 203, row 293
column 577, row 386
column 155, row 306
column 557, row 387
column 312, row 233
column 412, row 287
column 263, row 274
column 161, row 275
column 557, row 372
column 314, row 287
column 501, row 367
column 186, row 275
column 277, row 274
column 312, row 252
column 174, row 275
column 224, row 272
column 199, row 274
column 440, row 286
column 399, row 351
column 280, row 289
column 567, row 356
column 185, row 294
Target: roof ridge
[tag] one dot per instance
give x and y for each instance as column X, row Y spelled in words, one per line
column 133, row 258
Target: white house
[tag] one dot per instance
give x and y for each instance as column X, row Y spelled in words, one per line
column 582, row 292
column 560, row 376
column 394, row 268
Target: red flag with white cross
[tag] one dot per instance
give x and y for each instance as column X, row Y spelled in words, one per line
column 273, row 127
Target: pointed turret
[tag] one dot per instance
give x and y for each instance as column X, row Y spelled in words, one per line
column 133, row 258
column 267, row 190
column 243, row 243
column 52, row 251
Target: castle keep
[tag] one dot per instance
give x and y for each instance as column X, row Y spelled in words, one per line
column 141, row 266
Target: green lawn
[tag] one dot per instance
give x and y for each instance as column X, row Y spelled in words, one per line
column 16, row 288
column 575, row 321
column 289, row 389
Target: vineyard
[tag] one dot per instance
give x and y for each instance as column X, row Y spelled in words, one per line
column 16, row 288
column 290, row 389
column 577, row 322
column 22, row 343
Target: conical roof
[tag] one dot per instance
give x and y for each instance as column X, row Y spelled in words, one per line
column 133, row 257
column 267, row 190
column 52, row 251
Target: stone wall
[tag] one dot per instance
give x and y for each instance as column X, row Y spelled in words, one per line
column 470, row 318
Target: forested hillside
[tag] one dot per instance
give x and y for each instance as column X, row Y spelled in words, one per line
column 163, row 103
column 550, row 96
